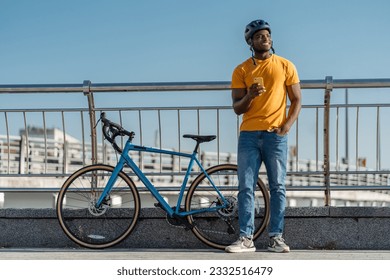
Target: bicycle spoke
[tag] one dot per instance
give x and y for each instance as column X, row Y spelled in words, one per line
column 103, row 226
column 219, row 227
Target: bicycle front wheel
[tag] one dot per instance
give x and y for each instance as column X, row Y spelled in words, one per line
column 97, row 227
column 220, row 228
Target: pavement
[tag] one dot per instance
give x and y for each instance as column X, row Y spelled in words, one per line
column 182, row 254
column 206, row 264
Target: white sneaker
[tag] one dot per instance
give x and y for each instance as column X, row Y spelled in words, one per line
column 242, row 245
column 277, row 245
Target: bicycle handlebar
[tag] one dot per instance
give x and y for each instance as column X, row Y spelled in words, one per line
column 112, row 130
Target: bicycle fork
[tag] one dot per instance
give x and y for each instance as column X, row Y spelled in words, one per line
column 104, row 197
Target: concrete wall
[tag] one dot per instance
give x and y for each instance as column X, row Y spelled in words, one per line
column 306, row 228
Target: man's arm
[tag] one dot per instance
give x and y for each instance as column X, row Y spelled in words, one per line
column 242, row 98
column 294, row 94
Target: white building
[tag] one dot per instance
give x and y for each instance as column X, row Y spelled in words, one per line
column 34, row 165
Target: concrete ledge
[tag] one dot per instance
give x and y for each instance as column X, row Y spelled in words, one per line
column 341, row 228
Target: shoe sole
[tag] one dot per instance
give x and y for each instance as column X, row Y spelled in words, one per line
column 249, row 250
column 286, row 250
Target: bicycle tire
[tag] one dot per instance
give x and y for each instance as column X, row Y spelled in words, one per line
column 219, row 229
column 97, row 228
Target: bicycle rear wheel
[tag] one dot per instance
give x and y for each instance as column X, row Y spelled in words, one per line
column 93, row 227
column 219, row 229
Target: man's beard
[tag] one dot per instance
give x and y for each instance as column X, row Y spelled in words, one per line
column 261, row 50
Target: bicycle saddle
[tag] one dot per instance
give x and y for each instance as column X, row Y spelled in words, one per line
column 200, row 138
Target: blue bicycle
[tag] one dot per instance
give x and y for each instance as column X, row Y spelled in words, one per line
column 98, row 206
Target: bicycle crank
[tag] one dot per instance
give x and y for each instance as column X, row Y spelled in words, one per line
column 178, row 221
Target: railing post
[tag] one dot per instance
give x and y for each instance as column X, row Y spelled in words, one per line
column 328, row 91
column 91, row 106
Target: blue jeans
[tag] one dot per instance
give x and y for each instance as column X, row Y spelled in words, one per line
column 255, row 147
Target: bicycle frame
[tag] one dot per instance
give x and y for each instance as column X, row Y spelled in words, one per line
column 125, row 159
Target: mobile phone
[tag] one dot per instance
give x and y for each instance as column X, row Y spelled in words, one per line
column 258, row 80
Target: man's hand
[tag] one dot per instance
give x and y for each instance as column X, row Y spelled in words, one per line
column 256, row 90
column 281, row 131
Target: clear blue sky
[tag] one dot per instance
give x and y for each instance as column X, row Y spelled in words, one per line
column 50, row 41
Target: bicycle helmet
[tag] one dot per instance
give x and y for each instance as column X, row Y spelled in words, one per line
column 253, row 27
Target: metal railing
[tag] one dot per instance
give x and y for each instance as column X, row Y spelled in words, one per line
column 321, row 172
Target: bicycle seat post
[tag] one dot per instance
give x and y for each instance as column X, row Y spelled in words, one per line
column 196, row 147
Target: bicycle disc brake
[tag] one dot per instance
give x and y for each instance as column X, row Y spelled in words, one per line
column 231, row 209
column 101, row 210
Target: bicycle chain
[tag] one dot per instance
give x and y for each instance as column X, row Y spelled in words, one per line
column 183, row 226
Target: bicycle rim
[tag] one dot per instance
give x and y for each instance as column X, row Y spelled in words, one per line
column 219, row 229
column 96, row 228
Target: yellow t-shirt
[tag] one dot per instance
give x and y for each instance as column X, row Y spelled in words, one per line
column 268, row 110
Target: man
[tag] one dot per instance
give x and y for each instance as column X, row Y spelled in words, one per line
column 260, row 87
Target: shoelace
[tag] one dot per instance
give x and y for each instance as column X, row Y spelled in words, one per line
column 278, row 240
